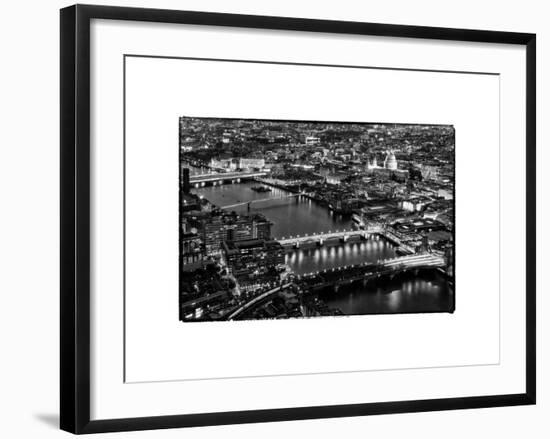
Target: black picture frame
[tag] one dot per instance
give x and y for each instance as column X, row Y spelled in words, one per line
column 75, row 217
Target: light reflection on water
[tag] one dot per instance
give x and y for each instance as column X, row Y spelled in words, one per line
column 428, row 291
column 307, row 260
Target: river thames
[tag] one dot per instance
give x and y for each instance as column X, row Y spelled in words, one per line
column 290, row 216
column 425, row 292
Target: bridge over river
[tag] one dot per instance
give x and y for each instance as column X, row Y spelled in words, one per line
column 344, row 235
column 366, row 271
column 261, row 200
column 347, row 274
column 201, row 180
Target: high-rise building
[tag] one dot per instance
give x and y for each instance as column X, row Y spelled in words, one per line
column 185, row 180
column 261, row 227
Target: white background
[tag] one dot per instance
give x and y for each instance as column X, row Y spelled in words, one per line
column 159, row 90
column 29, row 237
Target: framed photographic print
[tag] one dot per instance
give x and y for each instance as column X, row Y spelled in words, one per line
column 304, row 218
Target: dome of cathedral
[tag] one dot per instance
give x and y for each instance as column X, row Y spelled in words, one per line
column 390, row 162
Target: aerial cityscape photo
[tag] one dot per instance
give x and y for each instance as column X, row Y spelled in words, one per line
column 288, row 219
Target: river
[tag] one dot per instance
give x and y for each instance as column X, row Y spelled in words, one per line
column 429, row 291
column 290, row 216
column 332, row 255
column 426, row 292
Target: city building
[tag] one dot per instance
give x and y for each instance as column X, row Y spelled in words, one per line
column 191, row 250
column 227, row 164
column 429, row 172
column 248, row 163
column 311, row 140
column 389, row 170
column 189, row 202
column 185, row 180
column 223, row 226
column 390, row 162
column 253, row 256
column 415, row 204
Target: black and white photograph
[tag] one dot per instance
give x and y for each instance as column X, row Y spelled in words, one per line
column 289, row 219
column 291, row 216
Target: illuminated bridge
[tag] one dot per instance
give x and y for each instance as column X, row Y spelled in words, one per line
column 366, row 271
column 417, row 260
column 261, row 200
column 320, row 238
column 348, row 274
column 223, row 177
column 256, row 300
